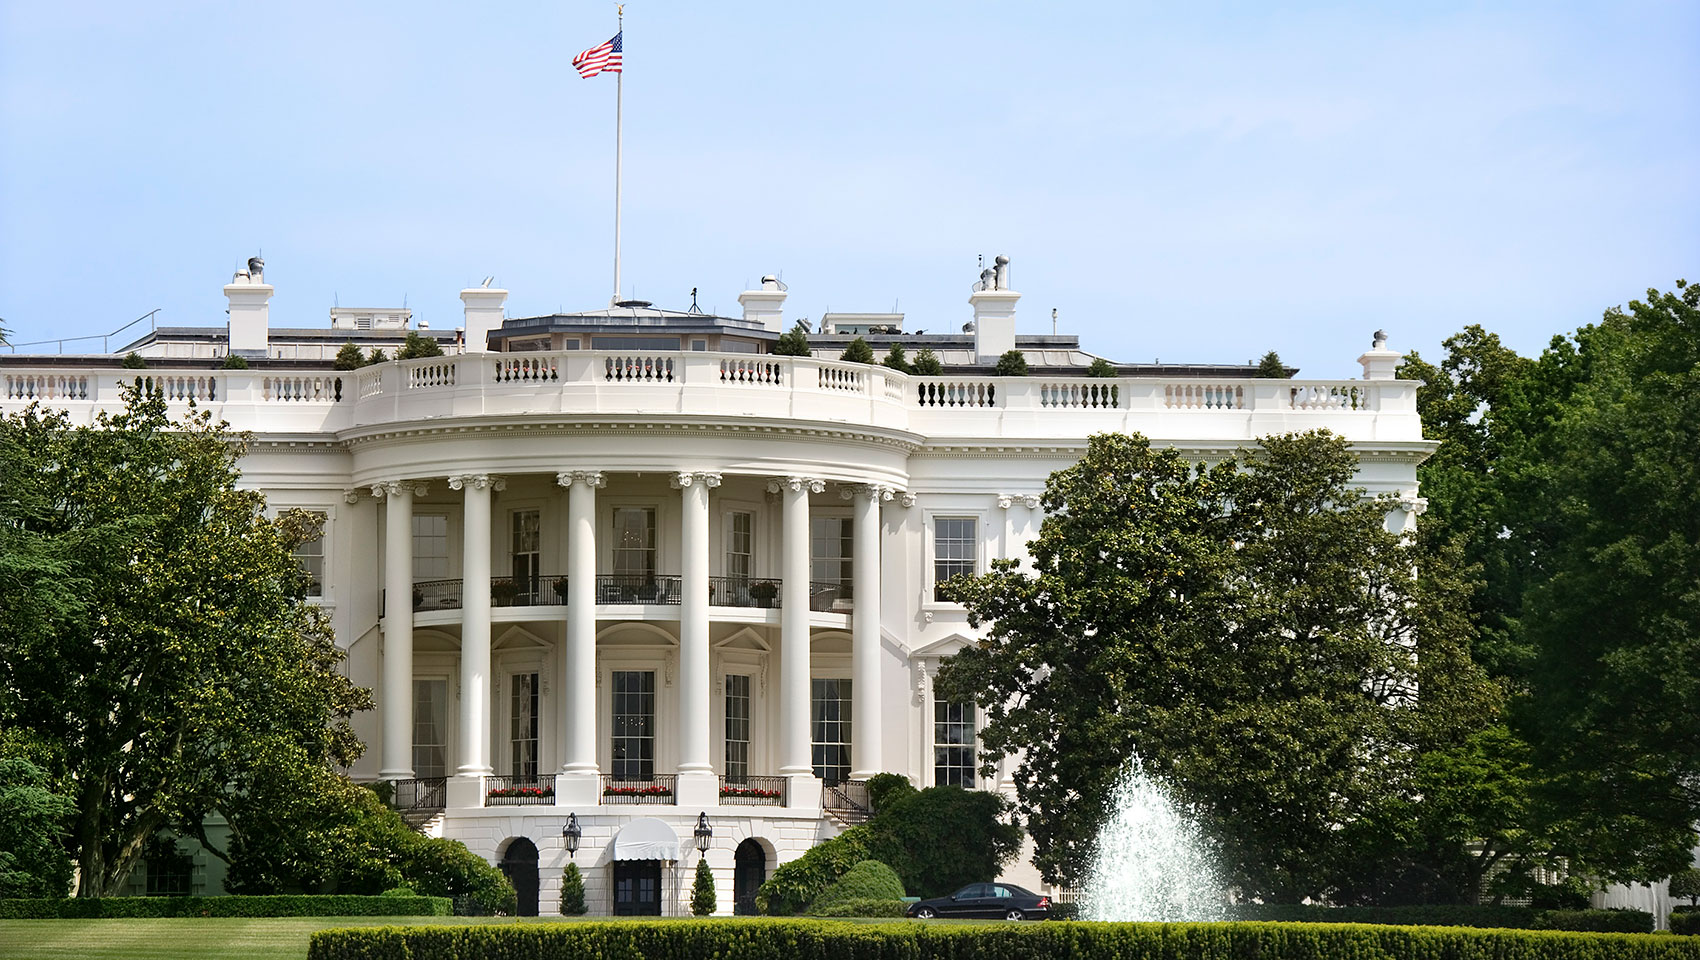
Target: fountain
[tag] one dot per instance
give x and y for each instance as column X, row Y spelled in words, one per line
column 1151, row 862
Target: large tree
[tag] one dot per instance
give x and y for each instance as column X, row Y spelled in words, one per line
column 1249, row 630
column 153, row 638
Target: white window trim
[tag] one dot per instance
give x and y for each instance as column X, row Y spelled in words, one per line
column 929, row 547
column 325, row 599
column 727, row 508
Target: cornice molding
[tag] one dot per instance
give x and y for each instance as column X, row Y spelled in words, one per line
column 385, row 434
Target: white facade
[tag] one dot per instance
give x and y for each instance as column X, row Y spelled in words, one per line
column 552, row 566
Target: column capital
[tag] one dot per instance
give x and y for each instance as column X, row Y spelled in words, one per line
column 796, row 484
column 1412, row 504
column 590, row 478
column 1006, row 500
column 685, row 478
column 906, row 497
column 352, row 496
column 874, row 491
column 477, row 481
column 395, row 488
column 1030, row 501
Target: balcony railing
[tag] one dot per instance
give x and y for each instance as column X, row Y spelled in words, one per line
column 658, row 789
column 753, row 791
column 535, row 790
column 541, row 590
column 636, row 588
column 423, row 793
column 846, row 795
column 825, row 596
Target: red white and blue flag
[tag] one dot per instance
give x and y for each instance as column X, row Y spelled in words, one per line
column 604, row 58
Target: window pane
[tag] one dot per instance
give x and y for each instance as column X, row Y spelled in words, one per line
column 634, row 542
column 953, row 744
column 955, row 547
column 430, row 547
column 634, row 724
column 527, row 544
column 739, row 544
column 522, row 731
column 311, row 557
column 832, row 545
column 737, row 727
column 829, row 716
column 430, row 727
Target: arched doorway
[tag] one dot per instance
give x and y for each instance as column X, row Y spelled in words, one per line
column 749, row 872
column 519, row 863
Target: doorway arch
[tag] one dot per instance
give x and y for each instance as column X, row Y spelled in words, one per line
column 749, row 872
column 519, row 864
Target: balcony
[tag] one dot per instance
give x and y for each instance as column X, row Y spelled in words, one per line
column 535, row 790
column 750, row 791
column 659, row 789
column 825, row 596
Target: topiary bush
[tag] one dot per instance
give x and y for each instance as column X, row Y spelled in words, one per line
column 1454, row 915
column 234, row 362
column 702, row 890
column 868, row 880
column 896, row 359
column 794, row 343
column 887, row 786
column 1686, row 920
column 824, row 939
column 1101, row 368
column 926, row 363
column 858, row 352
column 863, row 908
column 572, row 892
column 796, row 884
column 1012, row 364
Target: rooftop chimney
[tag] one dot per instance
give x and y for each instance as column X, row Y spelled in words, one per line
column 994, row 312
column 483, row 314
column 1379, row 362
column 765, row 306
column 250, row 309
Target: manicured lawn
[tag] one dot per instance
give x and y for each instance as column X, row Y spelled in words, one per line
column 216, row 938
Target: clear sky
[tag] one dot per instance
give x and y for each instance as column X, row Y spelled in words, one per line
column 1189, row 182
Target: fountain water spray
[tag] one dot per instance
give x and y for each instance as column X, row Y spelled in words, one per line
column 1151, row 862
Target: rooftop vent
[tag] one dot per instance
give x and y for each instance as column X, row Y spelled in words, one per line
column 634, row 304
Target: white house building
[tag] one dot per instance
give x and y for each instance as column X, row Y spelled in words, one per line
column 629, row 569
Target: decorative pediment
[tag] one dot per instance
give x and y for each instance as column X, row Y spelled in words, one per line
column 944, row 646
column 435, row 641
column 744, row 640
column 633, row 635
column 516, row 638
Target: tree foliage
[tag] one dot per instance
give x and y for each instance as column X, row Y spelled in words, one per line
column 32, row 830
column 1271, row 367
column 133, row 361
column 418, row 345
column 1101, row 368
column 1251, row 631
column 572, row 892
column 858, row 352
column 376, row 356
column 156, row 645
column 702, row 890
column 348, row 358
column 896, row 359
column 1013, row 363
column 927, row 363
column 794, row 343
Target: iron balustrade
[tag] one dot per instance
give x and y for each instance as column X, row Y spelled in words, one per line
column 422, row 793
column 753, row 791
column 846, row 795
column 637, row 588
column 535, row 790
column 657, row 789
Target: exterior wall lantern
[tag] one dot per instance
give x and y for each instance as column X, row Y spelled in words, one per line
column 703, row 833
column 571, row 834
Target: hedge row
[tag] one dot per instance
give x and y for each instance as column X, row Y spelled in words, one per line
column 863, row 907
column 836, row 940
column 1685, row 920
column 1513, row 918
column 278, row 906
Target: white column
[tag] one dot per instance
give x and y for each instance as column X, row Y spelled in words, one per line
column 475, row 625
column 866, row 726
column 396, row 761
column 795, row 755
column 578, row 782
column 697, row 783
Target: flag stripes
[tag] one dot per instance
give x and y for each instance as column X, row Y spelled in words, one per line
column 604, row 58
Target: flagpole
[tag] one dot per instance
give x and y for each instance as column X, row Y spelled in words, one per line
column 619, row 98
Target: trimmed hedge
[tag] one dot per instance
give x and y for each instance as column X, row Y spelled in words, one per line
column 863, row 907
column 100, row 908
column 1456, row 915
column 835, row 940
column 868, row 880
column 1685, row 920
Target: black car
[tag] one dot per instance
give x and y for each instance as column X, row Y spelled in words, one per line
column 992, row 901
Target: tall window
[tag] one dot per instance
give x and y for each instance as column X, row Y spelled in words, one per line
column 954, row 548
column 527, row 545
column 634, row 724
column 522, row 730
column 832, row 544
column 737, row 727
column 171, row 872
column 311, row 557
column 829, row 716
column 634, row 543
column 740, row 544
column 430, row 727
column 953, row 744
column 430, row 546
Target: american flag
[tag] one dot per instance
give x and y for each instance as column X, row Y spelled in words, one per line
column 604, row 57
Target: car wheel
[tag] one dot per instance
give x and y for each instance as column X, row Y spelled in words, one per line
column 925, row 913
column 1014, row 915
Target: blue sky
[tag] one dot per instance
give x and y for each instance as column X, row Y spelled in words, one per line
column 1189, row 182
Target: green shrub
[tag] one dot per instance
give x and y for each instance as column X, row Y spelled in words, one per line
column 796, row 884
column 399, row 892
column 926, row 363
column 97, row 908
column 1271, row 367
column 941, row 838
column 795, row 343
column 1101, row 368
column 887, row 786
column 1013, row 363
column 376, row 356
column 1685, row 885
column 1685, row 920
column 868, row 880
column 134, row 361
column 863, row 907
column 1065, row 911
column 1455, row 915
column 702, row 890
column 32, row 827
column 824, row 939
column 896, row 359
column 234, row 362
column 572, row 892
column 348, row 358
column 417, row 345
column 858, row 352
column 1596, row 921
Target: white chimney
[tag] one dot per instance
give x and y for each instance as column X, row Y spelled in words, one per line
column 483, row 314
column 250, row 309
column 994, row 313
column 765, row 306
column 1380, row 362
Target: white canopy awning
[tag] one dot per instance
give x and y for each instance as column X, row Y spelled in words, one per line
column 646, row 839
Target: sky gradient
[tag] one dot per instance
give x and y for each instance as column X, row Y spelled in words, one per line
column 1189, row 182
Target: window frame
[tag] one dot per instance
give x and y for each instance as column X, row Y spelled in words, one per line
column 929, row 532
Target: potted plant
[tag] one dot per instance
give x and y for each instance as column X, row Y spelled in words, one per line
column 764, row 591
column 560, row 587
column 503, row 592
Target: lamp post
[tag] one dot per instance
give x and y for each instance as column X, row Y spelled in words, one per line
column 571, row 834
column 704, row 834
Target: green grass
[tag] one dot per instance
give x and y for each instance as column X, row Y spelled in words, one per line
column 213, row 938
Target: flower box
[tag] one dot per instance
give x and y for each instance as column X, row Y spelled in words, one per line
column 653, row 790
column 752, row 793
column 538, row 793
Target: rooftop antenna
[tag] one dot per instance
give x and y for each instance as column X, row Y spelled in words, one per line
column 694, row 308
column 1053, row 321
column 487, row 281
